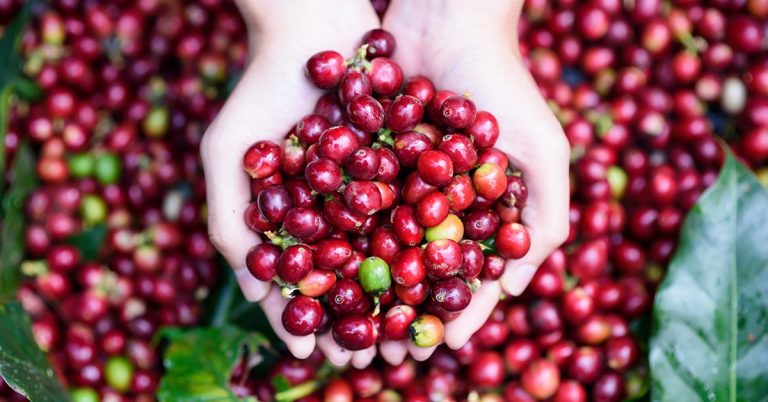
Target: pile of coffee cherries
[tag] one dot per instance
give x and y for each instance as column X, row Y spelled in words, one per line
column 127, row 91
column 382, row 210
column 641, row 88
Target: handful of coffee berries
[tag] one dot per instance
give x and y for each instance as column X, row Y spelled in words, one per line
column 382, row 210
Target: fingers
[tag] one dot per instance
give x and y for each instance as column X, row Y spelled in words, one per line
column 362, row 358
column 228, row 191
column 484, row 300
column 332, row 351
column 545, row 214
column 339, row 356
column 273, row 306
column 420, row 354
column 252, row 288
column 394, row 352
column 546, row 218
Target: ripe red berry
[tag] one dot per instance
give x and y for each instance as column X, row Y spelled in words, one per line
column 386, row 76
column 443, row 258
column 512, row 240
column 541, row 379
column 490, row 181
column 354, row 332
column 397, row 322
column 432, row 209
column 435, row 168
column 457, row 112
column 404, row 114
column 302, row 315
column 262, row 159
column 380, row 43
column 366, row 113
column 325, row 68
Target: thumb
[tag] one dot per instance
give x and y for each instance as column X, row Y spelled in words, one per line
column 544, row 240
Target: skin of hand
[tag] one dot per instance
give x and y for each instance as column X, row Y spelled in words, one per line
column 472, row 46
column 272, row 95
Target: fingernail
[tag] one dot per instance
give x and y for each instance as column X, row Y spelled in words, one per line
column 252, row 288
column 518, row 279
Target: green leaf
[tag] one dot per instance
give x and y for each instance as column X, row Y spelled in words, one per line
column 226, row 305
column 10, row 75
column 199, row 362
column 90, row 241
column 22, row 364
column 709, row 340
column 10, row 60
column 12, row 234
column 280, row 383
column 27, row 89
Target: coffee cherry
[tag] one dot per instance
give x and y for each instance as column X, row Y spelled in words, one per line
column 362, row 197
column 435, row 168
column 317, row 283
column 512, row 240
column 374, row 276
column 432, row 209
column 325, row 68
column 426, row 331
column 380, row 43
column 337, row 143
column 344, row 296
column 363, row 164
column 366, row 113
column 483, row 130
column 262, row 159
column 262, row 261
column 490, row 181
column 452, row 294
column 541, row 379
column 461, row 151
column 397, row 321
column 457, row 112
column 302, row 315
column 408, row 267
column 451, row 228
column 295, row 263
column 353, row 332
column 404, row 113
column 386, row 76
column 487, row 371
column 443, row 258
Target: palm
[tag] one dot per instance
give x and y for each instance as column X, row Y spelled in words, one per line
column 492, row 74
column 270, row 98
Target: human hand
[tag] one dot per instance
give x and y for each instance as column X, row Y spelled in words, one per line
column 472, row 46
column 271, row 96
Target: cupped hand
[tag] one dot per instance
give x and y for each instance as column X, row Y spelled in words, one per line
column 272, row 95
column 471, row 47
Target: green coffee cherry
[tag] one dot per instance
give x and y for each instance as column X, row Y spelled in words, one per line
column 81, row 165
column 119, row 372
column 617, row 180
column 374, row 276
column 93, row 209
column 108, row 168
column 155, row 124
column 84, row 395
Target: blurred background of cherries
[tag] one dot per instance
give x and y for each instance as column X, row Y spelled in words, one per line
column 647, row 93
